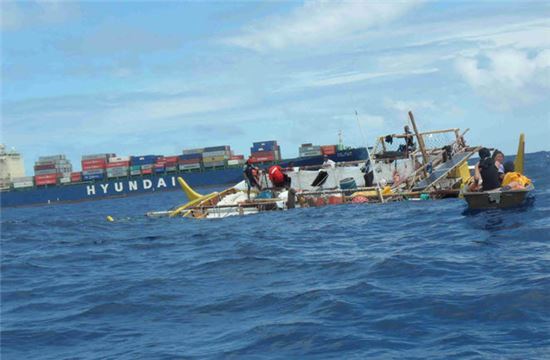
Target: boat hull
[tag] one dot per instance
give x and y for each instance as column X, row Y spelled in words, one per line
column 496, row 200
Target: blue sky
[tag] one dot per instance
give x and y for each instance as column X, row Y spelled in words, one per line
column 155, row 77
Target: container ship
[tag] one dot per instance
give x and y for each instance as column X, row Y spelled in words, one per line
column 108, row 175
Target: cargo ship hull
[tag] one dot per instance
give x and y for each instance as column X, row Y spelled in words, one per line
column 121, row 187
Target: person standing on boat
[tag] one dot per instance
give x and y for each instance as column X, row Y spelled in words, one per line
column 409, row 139
column 328, row 163
column 486, row 172
column 278, row 178
column 251, row 176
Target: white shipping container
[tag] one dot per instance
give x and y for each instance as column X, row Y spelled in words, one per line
column 119, row 158
column 95, row 156
column 135, row 172
column 64, row 180
column 216, row 153
column 192, row 151
column 214, row 164
column 235, row 162
column 52, row 158
column 189, row 166
column 23, row 184
column 22, row 179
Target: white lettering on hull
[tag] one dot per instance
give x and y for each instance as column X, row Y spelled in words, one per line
column 119, row 187
column 90, row 190
column 173, row 181
column 147, row 184
column 104, row 187
column 161, row 183
column 132, row 185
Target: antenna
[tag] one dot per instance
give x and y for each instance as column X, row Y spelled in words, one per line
column 340, row 141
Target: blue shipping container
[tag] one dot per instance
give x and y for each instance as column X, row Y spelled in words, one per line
column 92, row 177
column 143, row 160
column 190, row 157
column 263, row 143
column 267, row 147
column 216, row 148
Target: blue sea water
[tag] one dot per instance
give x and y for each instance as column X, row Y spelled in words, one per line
column 408, row 280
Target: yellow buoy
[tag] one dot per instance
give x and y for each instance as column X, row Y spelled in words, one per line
column 110, row 218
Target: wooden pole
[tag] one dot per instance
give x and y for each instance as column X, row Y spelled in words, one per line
column 419, row 138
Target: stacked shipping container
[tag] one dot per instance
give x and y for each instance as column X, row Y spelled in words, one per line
column 265, row 151
column 216, row 156
column 48, row 169
column 94, row 166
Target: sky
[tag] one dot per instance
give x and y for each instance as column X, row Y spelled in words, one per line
column 155, row 77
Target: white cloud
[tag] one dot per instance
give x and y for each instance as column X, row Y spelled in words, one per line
column 509, row 78
column 318, row 22
column 404, row 106
column 19, row 15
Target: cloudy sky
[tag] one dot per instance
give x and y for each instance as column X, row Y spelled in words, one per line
column 155, row 77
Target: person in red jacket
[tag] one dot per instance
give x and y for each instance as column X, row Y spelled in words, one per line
column 278, row 177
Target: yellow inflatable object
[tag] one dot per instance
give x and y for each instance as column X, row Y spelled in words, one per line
column 191, row 194
column 515, row 177
column 518, row 163
column 110, row 218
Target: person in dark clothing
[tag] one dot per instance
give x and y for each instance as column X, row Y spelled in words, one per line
column 251, row 175
column 368, row 173
column 486, row 171
column 409, row 140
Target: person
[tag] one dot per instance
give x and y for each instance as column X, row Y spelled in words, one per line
column 368, row 173
column 512, row 179
column 328, row 163
column 486, row 173
column 252, row 177
column 498, row 158
column 278, row 177
column 409, row 139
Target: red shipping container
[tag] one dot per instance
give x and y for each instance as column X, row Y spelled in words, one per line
column 117, row 164
column 76, row 178
column 93, row 167
column 328, row 149
column 94, row 162
column 44, row 167
column 264, row 158
column 171, row 159
column 147, row 171
column 174, row 163
column 49, row 179
column 237, row 157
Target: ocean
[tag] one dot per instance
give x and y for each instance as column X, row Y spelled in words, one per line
column 414, row 280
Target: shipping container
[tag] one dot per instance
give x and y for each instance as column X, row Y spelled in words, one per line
column 93, row 172
column 217, row 148
column 147, row 171
column 192, row 151
column 190, row 157
column 214, row 164
column 143, row 160
column 328, row 149
column 171, row 168
column 22, row 179
column 135, row 172
column 52, row 157
column 234, row 162
column 215, row 153
column 65, row 180
column 97, row 156
column 115, row 159
column 45, row 166
column 189, row 166
column 263, row 143
column 170, row 159
column 213, row 159
column 23, row 184
column 93, row 177
column 93, row 167
column 45, row 172
column 147, row 166
column 236, row 157
column 118, row 164
column 50, row 179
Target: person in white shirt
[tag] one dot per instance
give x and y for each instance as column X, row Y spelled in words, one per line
column 328, row 163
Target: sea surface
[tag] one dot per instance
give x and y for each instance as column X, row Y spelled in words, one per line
column 409, row 280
